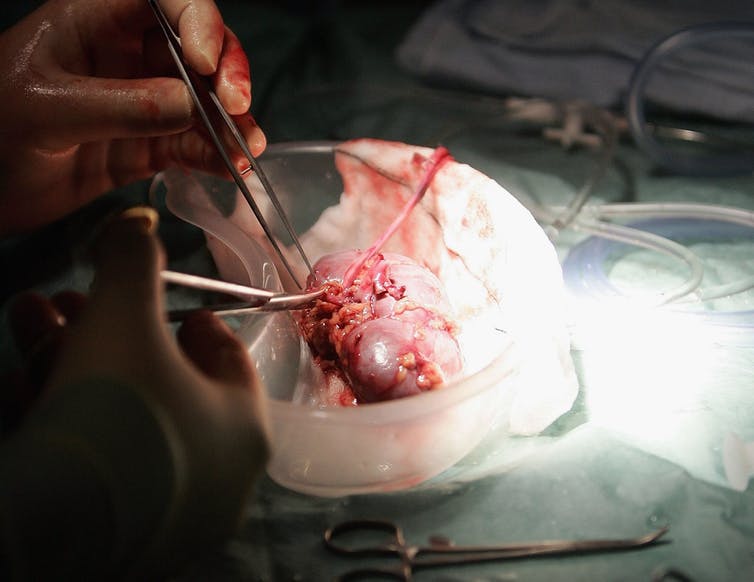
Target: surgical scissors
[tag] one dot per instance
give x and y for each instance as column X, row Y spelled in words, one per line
column 340, row 540
column 258, row 300
column 197, row 86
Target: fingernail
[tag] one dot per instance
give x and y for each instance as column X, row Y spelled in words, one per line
column 209, row 56
column 258, row 143
column 209, row 50
column 146, row 215
column 257, row 140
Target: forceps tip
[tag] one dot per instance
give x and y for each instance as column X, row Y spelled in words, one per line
column 657, row 534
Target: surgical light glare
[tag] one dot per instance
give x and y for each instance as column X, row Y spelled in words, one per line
column 642, row 367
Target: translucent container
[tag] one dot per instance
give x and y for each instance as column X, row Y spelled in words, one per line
column 334, row 451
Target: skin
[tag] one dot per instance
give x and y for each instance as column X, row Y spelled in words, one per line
column 201, row 378
column 91, row 102
column 51, row 333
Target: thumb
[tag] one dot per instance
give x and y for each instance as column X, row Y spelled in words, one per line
column 123, row 318
column 128, row 258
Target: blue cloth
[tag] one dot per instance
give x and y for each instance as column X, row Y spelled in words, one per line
column 561, row 49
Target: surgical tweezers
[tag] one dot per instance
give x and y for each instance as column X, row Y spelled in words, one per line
column 198, row 85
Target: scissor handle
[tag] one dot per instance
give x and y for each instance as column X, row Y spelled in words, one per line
column 395, row 544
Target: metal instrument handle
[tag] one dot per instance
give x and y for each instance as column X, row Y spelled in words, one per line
column 195, row 83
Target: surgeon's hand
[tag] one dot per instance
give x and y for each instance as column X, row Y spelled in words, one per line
column 91, row 101
column 202, row 387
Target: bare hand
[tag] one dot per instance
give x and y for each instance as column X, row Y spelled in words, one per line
column 90, row 101
column 203, row 384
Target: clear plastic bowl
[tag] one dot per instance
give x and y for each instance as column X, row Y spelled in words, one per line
column 335, row 451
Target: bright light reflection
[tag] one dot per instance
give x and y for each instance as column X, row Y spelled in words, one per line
column 643, row 368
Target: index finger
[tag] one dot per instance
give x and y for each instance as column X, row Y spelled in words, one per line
column 232, row 80
column 211, row 48
column 200, row 26
column 128, row 257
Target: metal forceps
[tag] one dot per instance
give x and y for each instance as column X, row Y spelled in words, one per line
column 256, row 300
column 199, row 86
column 340, row 540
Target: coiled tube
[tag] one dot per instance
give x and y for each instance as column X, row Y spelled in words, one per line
column 697, row 165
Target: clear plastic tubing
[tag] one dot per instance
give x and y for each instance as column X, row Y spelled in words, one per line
column 584, row 273
column 714, row 221
column 640, row 238
column 604, row 125
column 676, row 210
column 628, row 235
column 698, row 165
